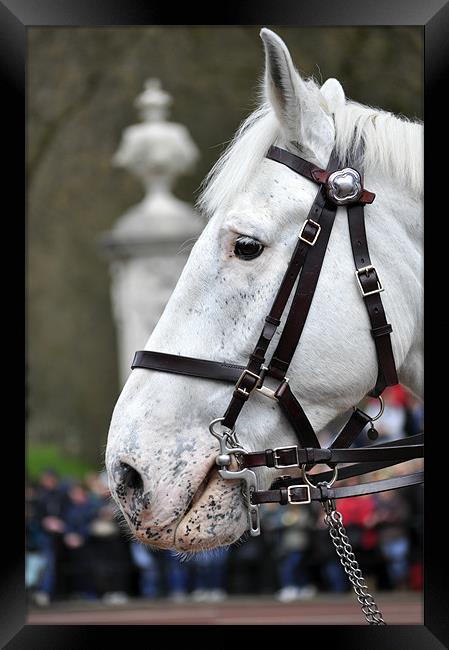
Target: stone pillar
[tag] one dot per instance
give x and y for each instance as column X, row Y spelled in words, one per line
column 148, row 246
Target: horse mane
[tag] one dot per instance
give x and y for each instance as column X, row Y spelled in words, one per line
column 390, row 142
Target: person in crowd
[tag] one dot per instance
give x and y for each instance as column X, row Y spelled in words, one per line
column 109, row 545
column 48, row 507
column 177, row 577
column 208, row 580
column 390, row 516
column 34, row 557
column 97, row 485
column 76, row 546
column 359, row 523
column 414, row 415
column 414, row 496
column 358, row 519
column 110, row 549
column 296, row 525
column 330, row 571
column 244, row 566
column 146, row 562
column 77, row 515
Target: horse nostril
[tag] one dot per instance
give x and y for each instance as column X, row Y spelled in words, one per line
column 130, row 478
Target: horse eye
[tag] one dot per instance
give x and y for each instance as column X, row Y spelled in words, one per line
column 247, row 248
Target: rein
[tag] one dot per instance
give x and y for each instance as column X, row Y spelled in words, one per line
column 337, row 187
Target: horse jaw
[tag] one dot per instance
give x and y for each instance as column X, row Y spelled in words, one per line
column 184, row 504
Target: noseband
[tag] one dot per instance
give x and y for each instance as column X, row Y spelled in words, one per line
column 337, row 187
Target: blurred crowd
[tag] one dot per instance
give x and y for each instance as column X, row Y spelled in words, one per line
column 76, row 547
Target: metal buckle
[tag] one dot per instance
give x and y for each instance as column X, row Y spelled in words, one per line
column 298, row 503
column 268, row 392
column 318, row 230
column 365, row 269
column 276, row 457
column 243, row 391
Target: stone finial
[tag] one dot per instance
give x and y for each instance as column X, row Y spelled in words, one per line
column 148, row 245
column 157, row 151
column 153, row 103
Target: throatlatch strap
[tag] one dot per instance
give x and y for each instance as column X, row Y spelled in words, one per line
column 355, row 425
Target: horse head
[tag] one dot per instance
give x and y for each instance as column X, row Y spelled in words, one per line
column 160, row 457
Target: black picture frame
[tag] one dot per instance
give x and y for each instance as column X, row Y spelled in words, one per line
column 15, row 17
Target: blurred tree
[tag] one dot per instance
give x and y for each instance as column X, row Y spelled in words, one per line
column 81, row 86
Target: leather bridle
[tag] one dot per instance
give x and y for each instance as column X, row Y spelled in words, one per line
column 336, row 187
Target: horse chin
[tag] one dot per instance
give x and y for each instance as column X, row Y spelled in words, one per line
column 215, row 517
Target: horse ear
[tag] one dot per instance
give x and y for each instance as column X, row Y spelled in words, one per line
column 334, row 95
column 300, row 108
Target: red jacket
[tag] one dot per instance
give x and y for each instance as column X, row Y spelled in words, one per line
column 358, row 511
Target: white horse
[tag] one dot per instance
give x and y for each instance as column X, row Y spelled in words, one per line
column 174, row 497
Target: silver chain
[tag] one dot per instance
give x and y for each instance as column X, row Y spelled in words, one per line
column 340, row 540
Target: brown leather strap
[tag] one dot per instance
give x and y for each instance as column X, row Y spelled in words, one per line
column 230, row 372
column 373, row 487
column 309, row 170
column 295, row 456
column 295, row 163
column 322, row 214
column 302, row 251
column 203, row 368
column 356, row 469
column 301, row 493
column 369, row 282
column 297, row 494
column 356, row 423
column 304, row 292
column 251, row 378
column 295, row 414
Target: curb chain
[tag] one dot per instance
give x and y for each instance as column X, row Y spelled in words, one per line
column 340, row 540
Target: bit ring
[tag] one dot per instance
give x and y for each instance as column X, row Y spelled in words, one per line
column 228, row 433
column 306, row 478
column 381, row 410
column 382, row 407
